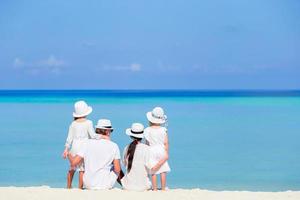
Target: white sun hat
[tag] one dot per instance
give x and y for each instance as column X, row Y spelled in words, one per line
column 81, row 109
column 104, row 124
column 157, row 116
column 136, row 130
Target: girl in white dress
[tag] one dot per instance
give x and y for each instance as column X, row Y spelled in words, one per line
column 157, row 138
column 137, row 160
column 79, row 131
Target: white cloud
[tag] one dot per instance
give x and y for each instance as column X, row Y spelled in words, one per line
column 134, row 67
column 232, row 68
column 51, row 61
column 166, row 67
column 50, row 65
column 88, row 44
column 18, row 63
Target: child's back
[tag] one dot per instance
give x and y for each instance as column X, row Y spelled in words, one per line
column 79, row 131
column 155, row 136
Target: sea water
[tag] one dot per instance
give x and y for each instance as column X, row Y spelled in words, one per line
column 218, row 140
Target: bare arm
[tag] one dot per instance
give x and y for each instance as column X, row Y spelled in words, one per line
column 117, row 167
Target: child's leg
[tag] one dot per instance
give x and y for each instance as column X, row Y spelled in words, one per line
column 80, row 184
column 163, row 180
column 154, row 185
column 70, row 178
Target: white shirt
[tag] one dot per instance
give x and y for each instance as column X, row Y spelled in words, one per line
column 137, row 179
column 98, row 156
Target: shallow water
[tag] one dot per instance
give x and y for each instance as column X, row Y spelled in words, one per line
column 216, row 142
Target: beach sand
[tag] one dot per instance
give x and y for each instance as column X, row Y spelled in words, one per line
column 47, row 193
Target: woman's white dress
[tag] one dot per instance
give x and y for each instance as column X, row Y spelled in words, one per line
column 156, row 137
column 78, row 133
column 137, row 179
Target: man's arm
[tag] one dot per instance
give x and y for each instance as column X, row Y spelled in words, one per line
column 117, row 167
column 74, row 160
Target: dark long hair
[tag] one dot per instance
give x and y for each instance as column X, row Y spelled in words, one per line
column 130, row 152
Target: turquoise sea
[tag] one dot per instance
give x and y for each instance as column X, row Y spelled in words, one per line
column 219, row 140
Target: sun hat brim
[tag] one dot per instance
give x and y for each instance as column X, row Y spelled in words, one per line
column 89, row 111
column 129, row 133
column 155, row 120
column 105, row 128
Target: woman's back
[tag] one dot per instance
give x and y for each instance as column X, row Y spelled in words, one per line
column 137, row 179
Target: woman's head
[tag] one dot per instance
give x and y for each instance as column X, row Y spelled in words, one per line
column 154, row 124
column 76, row 118
column 136, row 130
column 136, row 139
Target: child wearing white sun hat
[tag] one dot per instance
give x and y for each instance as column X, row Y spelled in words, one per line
column 80, row 130
column 157, row 138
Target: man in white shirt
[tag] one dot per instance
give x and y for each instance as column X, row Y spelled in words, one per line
column 101, row 159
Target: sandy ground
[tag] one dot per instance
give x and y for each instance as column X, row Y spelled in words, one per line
column 45, row 193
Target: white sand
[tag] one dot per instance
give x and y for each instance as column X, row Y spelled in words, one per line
column 45, row 193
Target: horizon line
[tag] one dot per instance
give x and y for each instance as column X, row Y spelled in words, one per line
column 204, row 90
column 151, row 93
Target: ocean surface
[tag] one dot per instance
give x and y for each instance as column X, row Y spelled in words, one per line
column 219, row 140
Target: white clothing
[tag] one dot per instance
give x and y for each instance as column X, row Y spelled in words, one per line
column 78, row 133
column 137, row 179
column 156, row 137
column 98, row 157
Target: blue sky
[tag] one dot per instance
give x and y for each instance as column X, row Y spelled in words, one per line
column 157, row 44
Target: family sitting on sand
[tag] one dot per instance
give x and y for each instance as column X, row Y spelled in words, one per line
column 97, row 158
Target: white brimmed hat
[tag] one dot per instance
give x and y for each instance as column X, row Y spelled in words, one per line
column 136, row 130
column 157, row 116
column 104, row 124
column 81, row 109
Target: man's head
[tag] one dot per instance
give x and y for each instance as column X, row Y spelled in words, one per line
column 104, row 127
column 103, row 131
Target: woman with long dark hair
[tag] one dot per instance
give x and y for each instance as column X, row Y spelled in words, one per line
column 136, row 158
